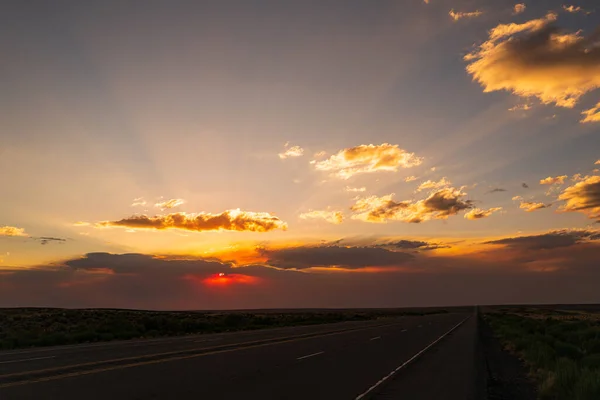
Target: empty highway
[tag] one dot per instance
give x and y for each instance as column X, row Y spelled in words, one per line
column 352, row 360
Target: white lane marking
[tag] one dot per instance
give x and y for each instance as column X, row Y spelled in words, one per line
column 310, row 355
column 388, row 376
column 375, row 338
column 26, row 359
column 403, row 330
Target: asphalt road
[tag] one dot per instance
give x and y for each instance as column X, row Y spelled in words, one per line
column 334, row 361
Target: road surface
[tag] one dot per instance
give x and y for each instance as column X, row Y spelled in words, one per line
column 352, row 360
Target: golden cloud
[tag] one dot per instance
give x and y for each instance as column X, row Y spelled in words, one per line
column 169, row 204
column 456, row 15
column 530, row 206
column 597, row 162
column 295, row 151
column 591, row 115
column 478, row 213
column 410, row 178
column 575, row 9
column 557, row 180
column 536, row 59
column 138, row 202
column 334, row 217
column 12, row 231
column 439, row 205
column 367, row 158
column 583, row 197
column 429, row 184
column 519, row 8
column 355, row 190
column 230, row 220
column 520, row 107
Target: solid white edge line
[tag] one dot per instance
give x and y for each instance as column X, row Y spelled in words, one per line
column 385, row 378
column 310, row 355
column 26, row 359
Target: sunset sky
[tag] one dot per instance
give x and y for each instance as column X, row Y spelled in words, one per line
column 244, row 154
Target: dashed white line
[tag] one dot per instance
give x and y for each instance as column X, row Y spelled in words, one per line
column 375, row 338
column 26, row 359
column 310, row 355
column 388, row 376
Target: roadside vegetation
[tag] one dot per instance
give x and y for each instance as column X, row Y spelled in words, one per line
column 561, row 349
column 29, row 327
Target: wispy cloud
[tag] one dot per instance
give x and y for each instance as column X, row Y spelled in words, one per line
column 550, row 240
column 496, row 190
column 294, row 151
column 575, row 9
column 591, row 115
column 168, row 204
column 429, row 184
column 537, row 59
column 478, row 213
column 230, row 220
column 410, row 178
column 456, row 15
column 138, row 202
column 355, row 189
column 520, row 107
column 531, row 206
column 557, row 180
column 367, row 158
column 333, row 217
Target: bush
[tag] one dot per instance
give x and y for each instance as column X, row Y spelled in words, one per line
column 588, row 386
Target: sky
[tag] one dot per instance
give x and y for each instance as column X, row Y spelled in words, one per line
column 268, row 154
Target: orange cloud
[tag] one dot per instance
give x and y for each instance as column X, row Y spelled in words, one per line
column 478, row 213
column 163, row 205
column 583, row 197
column 354, row 190
column 541, row 61
column 438, row 205
column 138, row 202
column 334, row 217
column 519, row 8
column 520, row 107
column 591, row 115
column 410, row 178
column 575, row 9
column 456, row 15
column 433, row 184
column 231, row 220
column 367, row 158
column 295, row 151
column 557, row 180
column 532, row 206
column 12, row 231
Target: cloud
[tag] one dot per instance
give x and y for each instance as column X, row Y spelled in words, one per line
column 12, row 231
column 168, row 204
column 429, row 184
column 410, row 178
column 583, row 197
column 48, row 239
column 537, row 59
column 520, row 107
column 597, row 162
column 355, row 190
column 519, row 8
column 591, row 115
column 478, row 213
column 320, row 154
column 230, row 220
column 550, row 240
column 367, row 159
column 303, row 257
column 413, row 245
column 575, row 9
column 138, row 202
column 557, row 180
column 532, row 206
column 294, row 151
column 456, row 15
column 438, row 205
column 334, row 217
column 517, row 198
column 524, row 185
column 496, row 190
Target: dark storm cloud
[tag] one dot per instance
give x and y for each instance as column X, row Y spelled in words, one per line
column 413, row 245
column 48, row 239
column 303, row 257
column 550, row 240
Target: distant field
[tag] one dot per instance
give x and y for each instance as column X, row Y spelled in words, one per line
column 560, row 345
column 28, row 327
